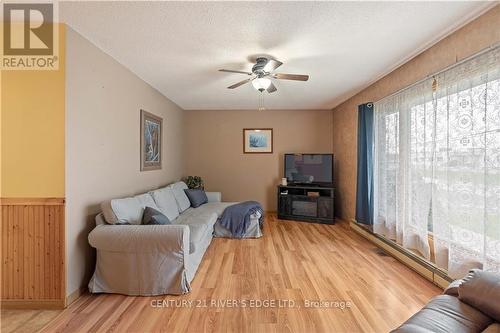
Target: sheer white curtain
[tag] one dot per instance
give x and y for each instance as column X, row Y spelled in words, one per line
column 437, row 166
column 466, row 190
column 403, row 167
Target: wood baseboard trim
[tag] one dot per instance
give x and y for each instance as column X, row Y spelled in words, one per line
column 419, row 265
column 75, row 295
column 52, row 304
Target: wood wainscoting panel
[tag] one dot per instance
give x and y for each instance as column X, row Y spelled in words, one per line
column 33, row 269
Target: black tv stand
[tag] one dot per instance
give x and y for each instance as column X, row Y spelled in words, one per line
column 309, row 203
column 309, row 185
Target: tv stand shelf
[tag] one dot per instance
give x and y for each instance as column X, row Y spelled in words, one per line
column 309, row 203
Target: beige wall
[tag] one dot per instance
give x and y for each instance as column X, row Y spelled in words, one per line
column 475, row 36
column 214, row 149
column 103, row 102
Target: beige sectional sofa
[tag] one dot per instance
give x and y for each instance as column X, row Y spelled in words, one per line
column 135, row 259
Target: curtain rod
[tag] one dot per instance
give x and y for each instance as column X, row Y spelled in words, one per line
column 487, row 49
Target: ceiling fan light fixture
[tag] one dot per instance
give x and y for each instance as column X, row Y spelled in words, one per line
column 261, row 83
column 261, row 73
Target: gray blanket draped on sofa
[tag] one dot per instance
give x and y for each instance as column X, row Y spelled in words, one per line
column 236, row 218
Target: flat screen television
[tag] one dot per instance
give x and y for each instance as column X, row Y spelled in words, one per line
column 314, row 169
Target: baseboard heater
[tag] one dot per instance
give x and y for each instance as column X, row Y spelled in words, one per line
column 408, row 258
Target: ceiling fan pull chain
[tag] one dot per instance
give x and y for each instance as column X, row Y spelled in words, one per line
column 261, row 101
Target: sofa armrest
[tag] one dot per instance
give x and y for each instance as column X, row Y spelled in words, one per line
column 140, row 238
column 214, row 196
column 452, row 288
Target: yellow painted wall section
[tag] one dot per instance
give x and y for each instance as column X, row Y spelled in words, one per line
column 32, row 130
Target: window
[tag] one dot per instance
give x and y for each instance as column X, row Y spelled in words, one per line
column 437, row 166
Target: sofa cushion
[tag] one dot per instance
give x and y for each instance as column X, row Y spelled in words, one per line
column 197, row 197
column 445, row 313
column 146, row 200
column 201, row 226
column 107, row 212
column 197, row 216
column 209, row 207
column 180, row 197
column 165, row 200
column 482, row 290
column 197, row 233
column 213, row 207
column 127, row 210
column 100, row 219
column 153, row 216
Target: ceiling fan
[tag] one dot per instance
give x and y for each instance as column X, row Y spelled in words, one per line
column 261, row 73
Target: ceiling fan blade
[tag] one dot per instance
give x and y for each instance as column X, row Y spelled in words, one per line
column 236, row 85
column 296, row 77
column 231, row 71
column 271, row 88
column 271, row 65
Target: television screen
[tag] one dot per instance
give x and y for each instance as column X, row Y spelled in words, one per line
column 309, row 168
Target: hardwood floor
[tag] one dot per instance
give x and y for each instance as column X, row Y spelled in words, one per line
column 25, row 321
column 293, row 262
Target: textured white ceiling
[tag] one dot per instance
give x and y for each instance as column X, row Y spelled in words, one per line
column 177, row 47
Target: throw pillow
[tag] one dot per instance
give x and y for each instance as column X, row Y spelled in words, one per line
column 197, row 197
column 153, row 216
column 481, row 289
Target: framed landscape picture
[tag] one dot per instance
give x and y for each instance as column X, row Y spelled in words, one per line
column 151, row 133
column 257, row 140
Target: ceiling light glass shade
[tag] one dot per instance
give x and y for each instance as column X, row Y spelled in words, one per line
column 261, row 83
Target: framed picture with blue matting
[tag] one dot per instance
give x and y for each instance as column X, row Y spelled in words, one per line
column 257, row 140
